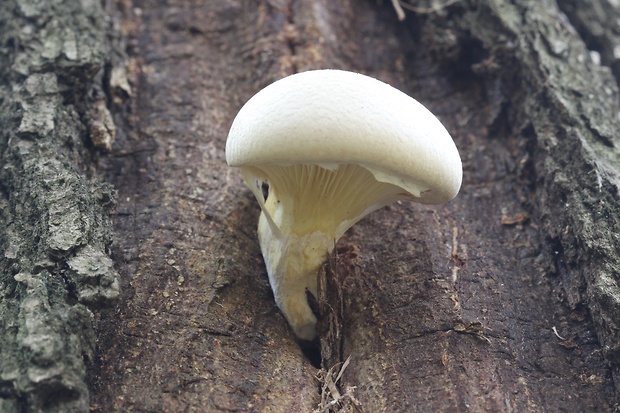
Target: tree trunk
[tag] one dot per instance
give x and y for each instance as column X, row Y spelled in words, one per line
column 132, row 279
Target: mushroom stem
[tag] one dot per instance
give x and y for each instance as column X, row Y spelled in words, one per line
column 309, row 207
column 292, row 263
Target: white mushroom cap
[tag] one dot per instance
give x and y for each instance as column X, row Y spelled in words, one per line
column 333, row 146
column 334, row 117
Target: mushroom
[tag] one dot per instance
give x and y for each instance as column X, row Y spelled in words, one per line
column 332, row 146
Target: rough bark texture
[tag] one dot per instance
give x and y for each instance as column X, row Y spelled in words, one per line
column 55, row 225
column 506, row 299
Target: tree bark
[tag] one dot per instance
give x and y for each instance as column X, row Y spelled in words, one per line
column 505, row 299
column 55, row 226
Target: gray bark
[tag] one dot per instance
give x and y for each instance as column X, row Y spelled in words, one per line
column 55, row 227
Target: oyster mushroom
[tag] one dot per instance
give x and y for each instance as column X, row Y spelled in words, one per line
column 332, row 146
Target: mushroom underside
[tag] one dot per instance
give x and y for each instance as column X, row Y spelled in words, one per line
column 308, row 208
